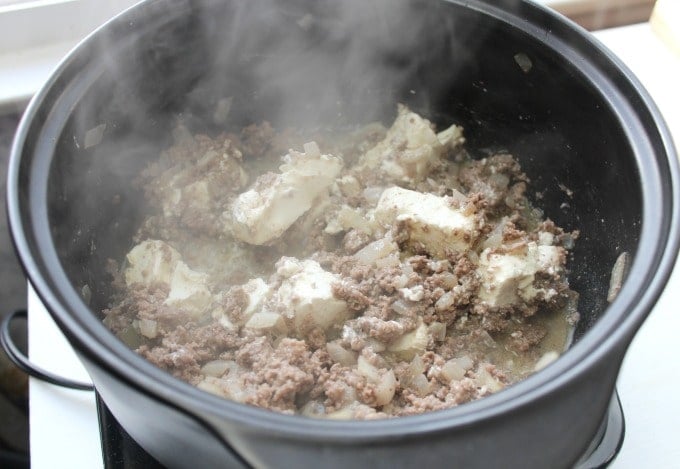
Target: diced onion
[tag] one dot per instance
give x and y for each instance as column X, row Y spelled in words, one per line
column 148, row 328
column 438, row 331
column 384, row 391
column 212, row 385
column 341, row 355
column 452, row 370
column 456, row 368
column 215, row 368
column 617, row 276
column 266, row 322
column 345, row 413
column 400, row 307
column 420, row 385
column 372, row 194
column 448, row 279
column 370, row 372
column 546, row 359
column 313, row 409
column 417, row 367
column 445, row 301
column 376, row 250
column 484, row 378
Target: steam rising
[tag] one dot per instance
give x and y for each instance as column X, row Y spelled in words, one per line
column 305, row 63
column 218, row 66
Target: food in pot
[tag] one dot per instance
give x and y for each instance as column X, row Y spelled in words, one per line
column 364, row 274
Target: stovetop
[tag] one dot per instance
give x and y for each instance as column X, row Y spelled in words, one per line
column 121, row 451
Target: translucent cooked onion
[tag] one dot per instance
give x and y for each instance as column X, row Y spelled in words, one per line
column 438, row 331
column 345, row 413
column 341, row 355
column 414, row 379
column 445, row 301
column 131, row 337
column 212, row 385
column 546, row 359
column 372, row 194
column 215, row 368
column 313, row 409
column 365, row 369
column 148, row 328
column 499, row 181
column 452, row 370
column 495, row 237
column 456, row 368
column 389, row 261
column 400, row 307
column 448, row 279
column 385, row 382
column 416, row 367
column 385, row 388
column 266, row 322
column 484, row 378
column 617, row 276
column 420, row 385
column 376, row 250
column 458, row 196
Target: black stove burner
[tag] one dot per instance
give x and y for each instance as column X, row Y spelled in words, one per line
column 122, row 452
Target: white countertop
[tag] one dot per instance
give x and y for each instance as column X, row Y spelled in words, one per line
column 63, row 423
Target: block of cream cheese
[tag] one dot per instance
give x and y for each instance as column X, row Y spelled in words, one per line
column 411, row 148
column 276, row 201
column 151, row 261
column 507, row 279
column 257, row 292
column 308, row 293
column 429, row 220
column 188, row 291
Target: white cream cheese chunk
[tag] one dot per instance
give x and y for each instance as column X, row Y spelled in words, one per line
column 151, row 261
column 411, row 343
column 257, row 292
column 188, row 290
column 451, row 137
column 308, row 292
column 430, row 220
column 276, row 201
column 411, row 148
column 506, row 279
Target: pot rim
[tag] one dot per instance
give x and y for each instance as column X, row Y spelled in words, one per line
column 659, row 242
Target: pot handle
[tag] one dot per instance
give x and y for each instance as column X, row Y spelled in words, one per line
column 22, row 362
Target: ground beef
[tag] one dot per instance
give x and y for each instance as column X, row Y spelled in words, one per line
column 388, row 327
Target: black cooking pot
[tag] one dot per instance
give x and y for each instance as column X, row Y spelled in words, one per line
column 515, row 75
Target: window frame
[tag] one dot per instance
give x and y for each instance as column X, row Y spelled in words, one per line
column 36, row 34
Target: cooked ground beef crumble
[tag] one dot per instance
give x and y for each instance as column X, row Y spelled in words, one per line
column 377, row 273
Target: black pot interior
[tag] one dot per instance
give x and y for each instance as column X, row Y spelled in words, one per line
column 333, row 63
